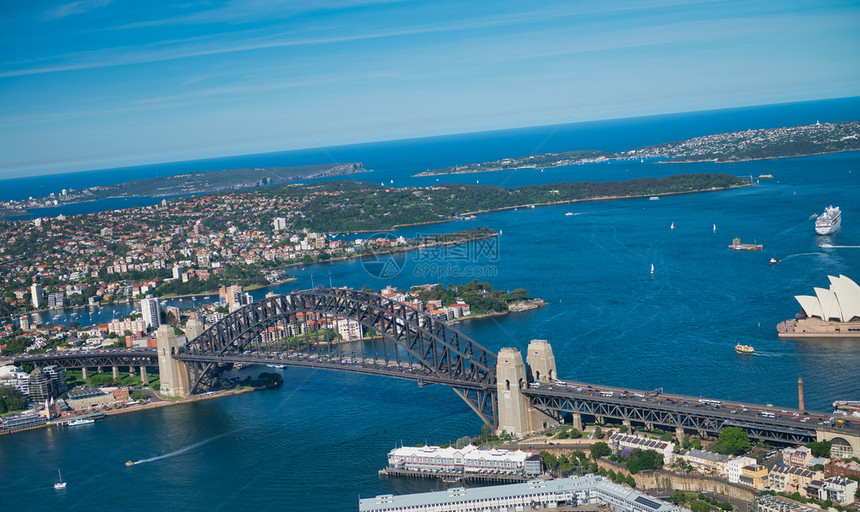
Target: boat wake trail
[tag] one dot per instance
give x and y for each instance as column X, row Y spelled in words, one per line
column 600, row 211
column 789, row 256
column 179, row 451
column 828, row 246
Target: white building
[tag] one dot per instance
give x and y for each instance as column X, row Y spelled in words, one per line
column 531, row 495
column 119, row 326
column 280, row 223
column 151, row 312
column 11, row 375
column 767, row 503
column 734, row 467
column 705, row 461
column 837, row 489
column 469, row 459
column 37, row 295
column 841, row 302
column 348, row 329
column 618, row 442
column 55, row 300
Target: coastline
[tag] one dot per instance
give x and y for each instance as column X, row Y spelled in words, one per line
column 248, row 288
column 397, row 249
column 517, row 307
column 740, row 160
column 150, row 406
column 606, row 198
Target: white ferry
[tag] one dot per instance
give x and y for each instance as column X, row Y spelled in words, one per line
column 829, row 222
column 81, row 421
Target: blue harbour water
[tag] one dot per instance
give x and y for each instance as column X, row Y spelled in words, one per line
column 317, row 442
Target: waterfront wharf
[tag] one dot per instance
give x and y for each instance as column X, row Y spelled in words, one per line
column 448, row 476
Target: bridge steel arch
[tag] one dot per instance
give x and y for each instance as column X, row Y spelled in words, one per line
column 406, row 337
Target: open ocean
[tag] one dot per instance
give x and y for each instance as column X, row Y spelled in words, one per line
column 318, row 441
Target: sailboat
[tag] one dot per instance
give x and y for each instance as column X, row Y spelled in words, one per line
column 60, row 484
column 672, row 226
column 715, row 228
column 652, row 269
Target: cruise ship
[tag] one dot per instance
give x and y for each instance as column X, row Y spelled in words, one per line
column 829, row 222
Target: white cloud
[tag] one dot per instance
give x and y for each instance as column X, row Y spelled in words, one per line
column 73, row 8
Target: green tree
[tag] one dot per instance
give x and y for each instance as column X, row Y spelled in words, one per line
column 733, row 441
column 518, row 294
column 598, row 432
column 550, row 461
column 820, row 448
column 599, row 449
column 11, row 399
column 640, row 460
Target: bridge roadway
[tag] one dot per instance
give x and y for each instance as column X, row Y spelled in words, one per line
column 91, row 358
column 650, row 408
column 367, row 366
column 693, row 414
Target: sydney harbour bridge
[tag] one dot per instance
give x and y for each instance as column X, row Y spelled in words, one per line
column 361, row 332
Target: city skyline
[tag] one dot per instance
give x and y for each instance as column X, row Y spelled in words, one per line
column 101, row 83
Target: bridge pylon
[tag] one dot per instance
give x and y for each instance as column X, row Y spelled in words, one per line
column 540, row 367
column 173, row 373
column 541, row 362
column 194, row 328
column 512, row 404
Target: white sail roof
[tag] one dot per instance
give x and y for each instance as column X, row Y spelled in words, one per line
column 840, row 303
column 810, row 305
column 829, row 304
column 848, row 294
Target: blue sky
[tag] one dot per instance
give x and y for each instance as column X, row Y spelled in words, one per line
column 101, row 83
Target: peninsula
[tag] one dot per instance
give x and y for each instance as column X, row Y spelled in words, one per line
column 739, row 146
column 186, row 184
column 338, row 206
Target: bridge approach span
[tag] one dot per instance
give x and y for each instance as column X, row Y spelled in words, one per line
column 679, row 412
column 103, row 358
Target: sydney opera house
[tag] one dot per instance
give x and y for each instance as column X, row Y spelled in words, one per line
column 833, row 312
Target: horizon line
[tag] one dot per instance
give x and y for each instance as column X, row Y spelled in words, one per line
column 15, row 175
